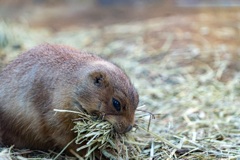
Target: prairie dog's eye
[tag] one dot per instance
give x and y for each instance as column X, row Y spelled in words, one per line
column 116, row 104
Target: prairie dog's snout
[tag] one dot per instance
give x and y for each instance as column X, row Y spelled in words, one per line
column 51, row 77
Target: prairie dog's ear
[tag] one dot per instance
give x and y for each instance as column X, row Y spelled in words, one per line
column 99, row 79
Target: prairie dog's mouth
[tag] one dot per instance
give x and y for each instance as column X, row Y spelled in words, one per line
column 119, row 128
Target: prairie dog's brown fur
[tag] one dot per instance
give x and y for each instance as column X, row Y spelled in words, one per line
column 51, row 77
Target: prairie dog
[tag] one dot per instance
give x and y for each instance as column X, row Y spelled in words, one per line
column 50, row 77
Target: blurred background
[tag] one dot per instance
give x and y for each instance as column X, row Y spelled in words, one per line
column 57, row 14
column 152, row 26
column 183, row 56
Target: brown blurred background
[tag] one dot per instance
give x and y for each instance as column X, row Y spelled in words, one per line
column 57, row 14
column 203, row 26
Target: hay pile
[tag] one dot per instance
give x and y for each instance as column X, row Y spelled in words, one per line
column 99, row 137
column 100, row 140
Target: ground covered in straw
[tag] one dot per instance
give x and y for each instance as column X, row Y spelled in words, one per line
column 186, row 69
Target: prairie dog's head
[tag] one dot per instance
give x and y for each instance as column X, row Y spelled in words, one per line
column 108, row 91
